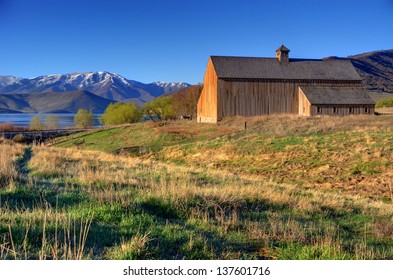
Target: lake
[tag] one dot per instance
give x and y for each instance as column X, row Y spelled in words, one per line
column 65, row 120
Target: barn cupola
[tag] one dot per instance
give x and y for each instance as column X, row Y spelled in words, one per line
column 282, row 54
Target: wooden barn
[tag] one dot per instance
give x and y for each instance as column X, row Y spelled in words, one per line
column 249, row 86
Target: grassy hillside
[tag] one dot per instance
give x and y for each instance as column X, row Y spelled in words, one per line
column 285, row 188
column 348, row 154
column 150, row 137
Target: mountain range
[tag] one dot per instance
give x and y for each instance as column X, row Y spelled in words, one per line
column 94, row 90
column 106, row 85
column 49, row 102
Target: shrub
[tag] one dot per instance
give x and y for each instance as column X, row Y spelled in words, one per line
column 119, row 113
column 35, row 123
column 52, row 122
column 384, row 102
column 84, row 118
column 19, row 138
column 160, row 108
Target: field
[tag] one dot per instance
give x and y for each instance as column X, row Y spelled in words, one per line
column 284, row 188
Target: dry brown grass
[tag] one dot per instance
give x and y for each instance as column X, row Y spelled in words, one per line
column 287, row 125
column 11, row 127
column 8, row 154
column 113, row 170
column 89, row 167
column 384, row 110
column 346, row 154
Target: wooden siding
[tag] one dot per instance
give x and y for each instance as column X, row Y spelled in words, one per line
column 304, row 105
column 247, row 97
column 342, row 110
column 255, row 98
column 331, row 109
column 207, row 103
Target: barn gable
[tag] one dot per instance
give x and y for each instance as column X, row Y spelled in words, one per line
column 207, row 103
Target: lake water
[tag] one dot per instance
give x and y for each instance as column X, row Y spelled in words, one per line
column 65, row 120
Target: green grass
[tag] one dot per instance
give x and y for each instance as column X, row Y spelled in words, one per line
column 203, row 192
column 153, row 137
column 158, row 219
column 102, row 140
column 336, row 155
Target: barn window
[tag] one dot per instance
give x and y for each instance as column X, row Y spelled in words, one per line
column 366, row 110
column 319, row 110
column 351, row 110
column 335, row 110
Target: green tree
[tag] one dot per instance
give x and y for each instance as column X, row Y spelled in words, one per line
column 120, row 113
column 52, row 122
column 384, row 102
column 84, row 118
column 35, row 123
column 160, row 107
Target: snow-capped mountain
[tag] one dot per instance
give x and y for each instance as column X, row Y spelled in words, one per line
column 170, row 86
column 7, row 80
column 104, row 84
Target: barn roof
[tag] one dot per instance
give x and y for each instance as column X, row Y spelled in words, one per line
column 271, row 68
column 336, row 95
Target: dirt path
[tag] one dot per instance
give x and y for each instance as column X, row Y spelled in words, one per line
column 23, row 162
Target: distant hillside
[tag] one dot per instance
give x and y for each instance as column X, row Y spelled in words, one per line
column 376, row 69
column 105, row 84
column 53, row 102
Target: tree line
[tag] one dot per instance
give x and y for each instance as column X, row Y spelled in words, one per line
column 181, row 104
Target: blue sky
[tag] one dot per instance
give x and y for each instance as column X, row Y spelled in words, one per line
column 153, row 40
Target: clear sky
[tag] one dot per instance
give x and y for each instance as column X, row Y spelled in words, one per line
column 171, row 40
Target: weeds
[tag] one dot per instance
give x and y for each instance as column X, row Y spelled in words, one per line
column 44, row 234
column 135, row 248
